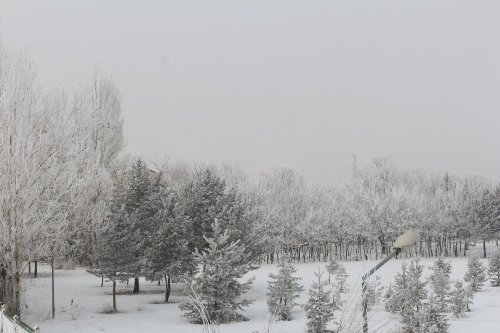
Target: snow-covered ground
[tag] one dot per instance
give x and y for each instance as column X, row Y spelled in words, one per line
column 145, row 312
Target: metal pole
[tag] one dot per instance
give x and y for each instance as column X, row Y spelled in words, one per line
column 53, row 300
column 364, row 287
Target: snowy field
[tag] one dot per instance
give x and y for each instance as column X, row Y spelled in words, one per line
column 145, row 312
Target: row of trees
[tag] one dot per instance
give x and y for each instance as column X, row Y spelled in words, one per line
column 362, row 218
column 57, row 153
column 422, row 309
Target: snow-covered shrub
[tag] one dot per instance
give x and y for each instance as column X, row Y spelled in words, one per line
column 494, row 269
column 440, row 283
column 341, row 278
column 374, row 291
column 432, row 319
column 442, row 265
column 458, row 299
column 406, row 295
column 319, row 308
column 475, row 274
column 283, row 290
column 331, row 268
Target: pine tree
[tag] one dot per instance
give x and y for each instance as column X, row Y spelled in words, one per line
column 203, row 200
column 331, row 268
column 416, row 292
column 432, row 319
column 458, row 300
column 475, row 274
column 167, row 253
column 494, row 269
column 341, row 278
column 374, row 291
column 218, row 285
column 137, row 193
column 397, row 292
column 440, row 283
column 319, row 309
column 283, row 290
column 469, row 296
column 406, row 295
column 118, row 243
column 442, row 265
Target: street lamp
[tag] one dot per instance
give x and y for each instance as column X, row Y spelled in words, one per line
column 403, row 242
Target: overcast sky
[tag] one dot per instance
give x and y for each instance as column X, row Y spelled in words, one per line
column 303, row 84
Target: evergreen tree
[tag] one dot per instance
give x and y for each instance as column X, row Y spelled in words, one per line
column 237, row 216
column 406, row 295
column 374, row 291
column 440, row 283
column 167, row 254
column 341, row 278
column 137, row 190
column 118, row 243
column 433, row 320
column 203, row 200
column 458, row 299
column 331, row 268
column 218, row 285
column 397, row 292
column 494, row 269
column 469, row 296
column 475, row 274
column 319, row 309
column 283, row 290
column 442, row 265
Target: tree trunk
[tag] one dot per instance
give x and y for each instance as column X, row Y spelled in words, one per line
column 167, row 288
column 114, row 296
column 484, row 247
column 12, row 294
column 102, row 281
column 53, row 298
column 136, row 285
column 36, row 268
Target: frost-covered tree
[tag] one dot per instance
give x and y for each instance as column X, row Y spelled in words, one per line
column 432, row 319
column 331, row 268
column 167, row 254
column 494, row 269
column 440, row 284
column 203, row 202
column 137, row 192
column 319, row 308
column 283, row 290
column 405, row 296
column 441, row 265
column 218, row 286
column 485, row 217
column 118, row 243
column 458, row 299
column 374, row 291
column 475, row 274
column 341, row 278
column 47, row 170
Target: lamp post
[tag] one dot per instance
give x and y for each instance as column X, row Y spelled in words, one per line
column 405, row 241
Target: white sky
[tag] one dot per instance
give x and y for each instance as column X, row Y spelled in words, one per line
column 303, row 84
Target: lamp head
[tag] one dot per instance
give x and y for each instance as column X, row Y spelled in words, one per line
column 406, row 240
